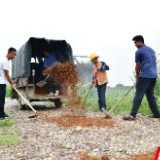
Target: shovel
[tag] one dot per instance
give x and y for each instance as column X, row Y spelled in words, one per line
column 27, row 104
column 107, row 115
column 42, row 83
column 86, row 97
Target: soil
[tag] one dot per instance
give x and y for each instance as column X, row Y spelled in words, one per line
column 63, row 73
column 85, row 156
column 146, row 156
column 83, row 121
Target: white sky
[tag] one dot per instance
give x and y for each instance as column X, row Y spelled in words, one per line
column 104, row 27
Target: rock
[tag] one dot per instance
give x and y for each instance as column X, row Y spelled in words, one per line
column 31, row 155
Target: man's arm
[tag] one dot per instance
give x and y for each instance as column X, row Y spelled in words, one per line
column 9, row 78
column 103, row 67
column 137, row 70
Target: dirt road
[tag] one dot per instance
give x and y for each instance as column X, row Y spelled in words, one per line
column 49, row 141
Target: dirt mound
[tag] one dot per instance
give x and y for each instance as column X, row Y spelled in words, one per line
column 146, row 156
column 86, row 122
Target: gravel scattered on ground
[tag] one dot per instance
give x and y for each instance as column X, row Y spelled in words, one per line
column 49, row 141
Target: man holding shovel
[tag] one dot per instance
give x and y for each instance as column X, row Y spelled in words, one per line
column 4, row 76
column 146, row 76
column 100, row 80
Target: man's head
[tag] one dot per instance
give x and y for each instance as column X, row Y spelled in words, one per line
column 94, row 58
column 138, row 41
column 46, row 53
column 95, row 61
column 11, row 53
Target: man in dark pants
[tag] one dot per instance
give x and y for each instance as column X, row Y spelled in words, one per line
column 146, row 76
column 49, row 60
column 100, row 80
column 4, row 78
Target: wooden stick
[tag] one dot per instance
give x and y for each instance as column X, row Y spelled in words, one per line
column 25, row 101
column 120, row 100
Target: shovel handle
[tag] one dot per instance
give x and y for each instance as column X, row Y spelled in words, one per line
column 121, row 99
column 25, row 100
column 46, row 77
column 86, row 96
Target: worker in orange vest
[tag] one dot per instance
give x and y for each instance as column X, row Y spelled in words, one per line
column 100, row 80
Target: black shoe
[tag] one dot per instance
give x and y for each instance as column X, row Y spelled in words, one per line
column 100, row 109
column 6, row 116
column 2, row 118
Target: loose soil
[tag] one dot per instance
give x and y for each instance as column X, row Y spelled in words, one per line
column 85, row 122
column 63, row 73
column 85, row 156
column 146, row 156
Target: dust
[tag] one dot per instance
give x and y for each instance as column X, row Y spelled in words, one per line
column 67, row 75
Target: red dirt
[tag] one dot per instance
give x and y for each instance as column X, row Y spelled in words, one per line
column 86, row 122
column 85, row 156
column 146, row 156
column 63, row 73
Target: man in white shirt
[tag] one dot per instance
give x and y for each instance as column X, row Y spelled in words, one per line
column 4, row 78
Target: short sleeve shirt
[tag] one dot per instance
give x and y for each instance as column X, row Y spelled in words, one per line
column 4, row 65
column 49, row 61
column 147, row 57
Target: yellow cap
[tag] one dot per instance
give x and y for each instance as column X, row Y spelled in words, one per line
column 93, row 56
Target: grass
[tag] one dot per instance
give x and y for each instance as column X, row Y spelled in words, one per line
column 7, row 137
column 9, row 122
column 8, row 91
column 113, row 96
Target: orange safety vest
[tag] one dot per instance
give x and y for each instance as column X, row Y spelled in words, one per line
column 100, row 77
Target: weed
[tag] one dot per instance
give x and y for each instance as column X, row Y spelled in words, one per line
column 7, row 136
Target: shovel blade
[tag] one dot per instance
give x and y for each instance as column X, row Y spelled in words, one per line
column 41, row 83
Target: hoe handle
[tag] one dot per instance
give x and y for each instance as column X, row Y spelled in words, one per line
column 25, row 100
column 121, row 99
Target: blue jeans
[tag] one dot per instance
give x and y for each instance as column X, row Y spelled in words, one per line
column 145, row 86
column 101, row 89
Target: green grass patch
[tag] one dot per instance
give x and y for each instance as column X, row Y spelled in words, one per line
column 7, row 137
column 113, row 96
column 9, row 122
column 8, row 91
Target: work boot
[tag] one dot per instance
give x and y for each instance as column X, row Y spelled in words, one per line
column 6, row 116
column 56, row 93
column 51, row 94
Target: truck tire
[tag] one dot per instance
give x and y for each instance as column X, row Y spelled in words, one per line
column 21, row 106
column 58, row 103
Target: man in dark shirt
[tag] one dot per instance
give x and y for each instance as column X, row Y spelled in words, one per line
column 49, row 60
column 146, row 76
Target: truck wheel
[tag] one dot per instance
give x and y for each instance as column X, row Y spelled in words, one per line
column 58, row 103
column 21, row 106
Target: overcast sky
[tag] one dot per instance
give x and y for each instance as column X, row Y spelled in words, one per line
column 104, row 27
